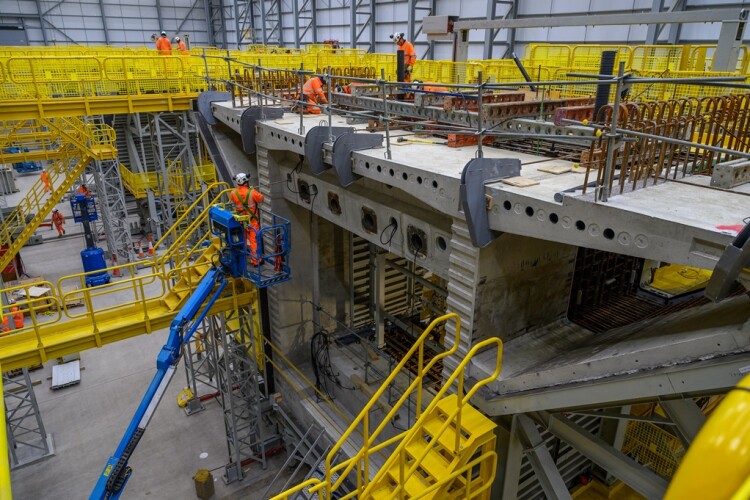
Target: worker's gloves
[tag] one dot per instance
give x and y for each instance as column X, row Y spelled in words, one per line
column 408, row 70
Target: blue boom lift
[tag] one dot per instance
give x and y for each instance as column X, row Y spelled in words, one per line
column 233, row 263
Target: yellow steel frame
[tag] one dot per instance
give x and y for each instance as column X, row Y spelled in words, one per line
column 5, row 490
column 337, row 473
column 139, row 183
column 58, row 329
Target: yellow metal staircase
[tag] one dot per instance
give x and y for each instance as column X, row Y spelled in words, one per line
column 448, row 452
column 85, row 142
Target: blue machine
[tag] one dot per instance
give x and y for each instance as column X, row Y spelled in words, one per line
column 232, row 263
column 84, row 211
column 24, row 166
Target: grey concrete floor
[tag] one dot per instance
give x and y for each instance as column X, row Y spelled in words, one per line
column 87, row 420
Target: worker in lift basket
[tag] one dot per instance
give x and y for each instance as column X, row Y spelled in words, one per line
column 313, row 92
column 246, row 201
column 58, row 220
column 410, row 55
column 163, row 45
column 84, row 191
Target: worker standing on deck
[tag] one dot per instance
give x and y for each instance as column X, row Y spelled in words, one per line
column 58, row 220
column 246, row 201
column 181, row 46
column 313, row 92
column 410, row 55
column 163, row 45
column 17, row 317
column 45, row 179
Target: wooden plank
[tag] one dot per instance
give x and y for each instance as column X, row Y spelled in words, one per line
column 520, row 181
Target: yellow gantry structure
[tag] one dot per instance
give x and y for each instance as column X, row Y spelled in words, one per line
column 156, row 295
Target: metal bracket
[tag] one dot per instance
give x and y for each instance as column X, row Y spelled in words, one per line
column 731, row 263
column 248, row 120
column 204, row 103
column 475, row 175
column 342, row 153
column 314, row 140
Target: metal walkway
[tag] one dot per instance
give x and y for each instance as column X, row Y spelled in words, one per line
column 156, row 294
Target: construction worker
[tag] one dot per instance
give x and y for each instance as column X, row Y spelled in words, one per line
column 45, row 179
column 58, row 220
column 84, row 191
column 313, row 92
column 17, row 317
column 181, row 46
column 410, row 55
column 431, row 87
column 163, row 45
column 246, row 201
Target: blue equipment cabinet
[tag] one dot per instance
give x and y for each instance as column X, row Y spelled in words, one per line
column 84, row 211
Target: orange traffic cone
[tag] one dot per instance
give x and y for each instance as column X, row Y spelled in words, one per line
column 150, row 245
column 140, row 251
column 116, row 270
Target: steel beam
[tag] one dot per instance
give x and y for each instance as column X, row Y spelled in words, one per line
column 615, row 462
column 695, row 379
column 510, row 450
column 541, row 461
column 654, row 30
column 687, row 417
column 42, row 20
column 691, row 16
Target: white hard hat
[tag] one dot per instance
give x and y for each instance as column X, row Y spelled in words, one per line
column 163, row 33
column 241, row 178
column 397, row 36
column 177, row 39
column 55, row 210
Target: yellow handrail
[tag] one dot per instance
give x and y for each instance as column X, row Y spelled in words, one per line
column 5, row 490
column 361, row 459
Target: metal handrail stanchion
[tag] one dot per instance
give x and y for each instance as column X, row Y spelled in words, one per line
column 300, row 103
column 480, row 123
column 330, row 107
column 385, row 116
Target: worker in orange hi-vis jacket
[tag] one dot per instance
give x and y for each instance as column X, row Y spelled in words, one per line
column 84, row 191
column 163, row 45
column 58, row 220
column 17, row 317
column 410, row 55
column 246, row 201
column 45, row 179
column 313, row 92
column 181, row 46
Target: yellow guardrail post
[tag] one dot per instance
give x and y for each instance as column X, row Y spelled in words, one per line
column 5, row 489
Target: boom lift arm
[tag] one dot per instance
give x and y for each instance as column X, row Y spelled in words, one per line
column 232, row 264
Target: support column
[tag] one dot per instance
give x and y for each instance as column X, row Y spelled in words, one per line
column 687, row 416
column 463, row 278
column 114, row 214
column 509, row 451
column 201, row 363
column 28, row 441
column 541, row 461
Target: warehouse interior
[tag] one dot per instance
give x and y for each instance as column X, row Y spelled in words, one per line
column 410, row 249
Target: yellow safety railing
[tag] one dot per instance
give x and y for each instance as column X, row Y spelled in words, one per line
column 139, row 183
column 5, row 489
column 359, row 464
column 70, row 313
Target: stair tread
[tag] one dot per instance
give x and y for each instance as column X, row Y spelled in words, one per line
column 435, row 464
column 413, row 486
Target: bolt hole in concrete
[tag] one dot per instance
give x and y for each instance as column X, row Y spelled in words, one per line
column 530, row 211
column 553, row 218
column 391, row 172
column 369, row 220
column 609, row 234
column 441, row 244
column 405, row 176
column 419, row 180
column 580, row 225
column 367, row 165
column 304, row 191
column 333, row 204
column 434, row 184
column 380, row 169
column 507, row 205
